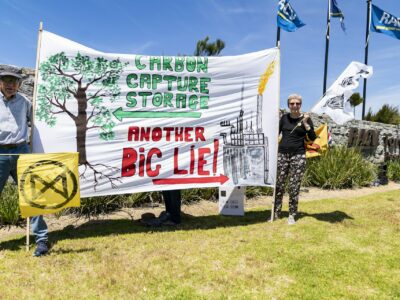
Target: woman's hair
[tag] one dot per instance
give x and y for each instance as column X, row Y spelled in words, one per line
column 294, row 96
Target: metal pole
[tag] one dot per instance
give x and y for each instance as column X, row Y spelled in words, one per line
column 328, row 25
column 278, row 37
column 366, row 56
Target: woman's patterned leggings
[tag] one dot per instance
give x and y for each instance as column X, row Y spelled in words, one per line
column 294, row 166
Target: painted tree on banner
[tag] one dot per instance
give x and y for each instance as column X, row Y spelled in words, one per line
column 79, row 87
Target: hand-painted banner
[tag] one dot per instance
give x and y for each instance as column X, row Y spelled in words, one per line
column 144, row 123
column 336, row 101
column 47, row 183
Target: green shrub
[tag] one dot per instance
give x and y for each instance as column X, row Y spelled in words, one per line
column 95, row 206
column 9, row 209
column 211, row 194
column 339, row 168
column 258, row 191
column 387, row 114
column 393, row 170
column 193, row 195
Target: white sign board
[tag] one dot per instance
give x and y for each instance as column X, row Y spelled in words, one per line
column 231, row 200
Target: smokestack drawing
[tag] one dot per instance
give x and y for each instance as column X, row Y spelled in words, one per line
column 259, row 113
column 245, row 155
column 261, row 88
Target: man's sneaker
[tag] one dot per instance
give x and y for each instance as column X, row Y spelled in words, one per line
column 164, row 216
column 165, row 219
column 291, row 220
column 277, row 215
column 41, row 249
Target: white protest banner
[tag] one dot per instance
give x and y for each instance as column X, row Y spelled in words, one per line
column 145, row 123
column 336, row 101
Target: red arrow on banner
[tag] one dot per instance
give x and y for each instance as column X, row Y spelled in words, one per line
column 221, row 179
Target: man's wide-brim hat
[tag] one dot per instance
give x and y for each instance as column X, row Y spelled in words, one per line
column 10, row 74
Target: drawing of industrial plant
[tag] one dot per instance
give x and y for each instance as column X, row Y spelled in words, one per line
column 245, row 149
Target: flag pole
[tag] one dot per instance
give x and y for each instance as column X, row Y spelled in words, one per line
column 366, row 55
column 27, row 233
column 272, row 217
column 328, row 25
column 33, row 114
column 278, row 44
column 36, row 80
column 278, row 37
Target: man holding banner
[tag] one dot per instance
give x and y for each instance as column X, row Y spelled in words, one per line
column 15, row 113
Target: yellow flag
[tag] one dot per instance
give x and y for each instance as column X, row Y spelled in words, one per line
column 47, row 183
column 320, row 145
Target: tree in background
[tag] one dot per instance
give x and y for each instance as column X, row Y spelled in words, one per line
column 204, row 48
column 78, row 87
column 386, row 114
column 356, row 100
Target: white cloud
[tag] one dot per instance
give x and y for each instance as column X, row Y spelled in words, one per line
column 251, row 37
column 143, row 48
column 14, row 5
column 242, row 10
column 230, row 9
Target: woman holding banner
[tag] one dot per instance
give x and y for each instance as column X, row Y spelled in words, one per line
column 294, row 127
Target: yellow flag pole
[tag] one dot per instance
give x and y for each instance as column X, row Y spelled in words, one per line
column 33, row 112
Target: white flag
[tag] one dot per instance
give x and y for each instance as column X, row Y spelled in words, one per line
column 336, row 101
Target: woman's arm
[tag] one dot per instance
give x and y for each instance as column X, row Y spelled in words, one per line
column 309, row 126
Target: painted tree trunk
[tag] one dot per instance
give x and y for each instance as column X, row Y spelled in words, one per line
column 81, row 126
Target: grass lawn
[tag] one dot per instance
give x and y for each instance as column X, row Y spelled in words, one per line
column 347, row 249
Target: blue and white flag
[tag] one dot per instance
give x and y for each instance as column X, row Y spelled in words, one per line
column 287, row 18
column 384, row 22
column 336, row 12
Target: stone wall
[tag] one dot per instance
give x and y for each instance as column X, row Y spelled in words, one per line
column 361, row 133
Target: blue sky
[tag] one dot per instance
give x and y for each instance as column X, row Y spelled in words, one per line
column 161, row 27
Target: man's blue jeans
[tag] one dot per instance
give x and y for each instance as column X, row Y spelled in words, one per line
column 8, row 166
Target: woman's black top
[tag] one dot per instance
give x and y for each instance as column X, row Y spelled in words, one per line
column 293, row 134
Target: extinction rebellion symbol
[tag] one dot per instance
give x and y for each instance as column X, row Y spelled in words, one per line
column 34, row 185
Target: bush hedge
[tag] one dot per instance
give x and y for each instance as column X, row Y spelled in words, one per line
column 9, row 210
column 339, row 168
column 96, row 206
column 393, row 170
